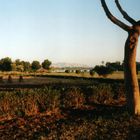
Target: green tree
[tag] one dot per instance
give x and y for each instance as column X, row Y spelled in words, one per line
column 20, row 68
column 26, row 65
column 13, row 65
column 46, row 64
column 92, row 72
column 19, row 65
column 6, row 64
column 102, row 70
column 77, row 71
column 35, row 65
column 117, row 66
column 67, row 71
column 18, row 62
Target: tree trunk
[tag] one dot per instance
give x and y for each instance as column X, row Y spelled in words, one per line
column 131, row 81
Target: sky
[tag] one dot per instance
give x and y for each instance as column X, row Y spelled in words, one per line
column 71, row 31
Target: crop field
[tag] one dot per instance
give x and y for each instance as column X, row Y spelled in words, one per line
column 65, row 107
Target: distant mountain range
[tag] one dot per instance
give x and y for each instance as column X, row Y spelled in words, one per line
column 72, row 65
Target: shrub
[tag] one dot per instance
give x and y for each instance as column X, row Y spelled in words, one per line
column 118, row 91
column 77, row 71
column 46, row 64
column 10, row 79
column 92, row 72
column 67, row 71
column 6, row 64
column 103, row 71
column 73, row 97
column 29, row 102
column 1, row 79
column 20, row 78
column 35, row 65
column 51, row 99
column 102, row 94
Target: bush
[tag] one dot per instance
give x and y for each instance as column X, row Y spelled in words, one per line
column 73, row 97
column 1, row 79
column 103, row 71
column 6, row 64
column 67, row 71
column 118, row 91
column 92, row 72
column 29, row 102
column 46, row 64
column 35, row 65
column 77, row 71
column 10, row 79
column 102, row 94
column 20, row 78
column 33, row 101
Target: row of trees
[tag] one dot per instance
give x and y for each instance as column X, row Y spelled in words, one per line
column 6, row 64
column 104, row 69
column 108, row 68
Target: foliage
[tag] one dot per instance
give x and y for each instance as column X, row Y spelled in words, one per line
column 115, row 66
column 18, row 62
column 77, row 71
column 67, row 71
column 1, row 79
column 92, row 72
column 28, row 102
column 102, row 94
column 6, row 64
column 72, row 98
column 10, row 79
column 35, row 65
column 99, row 124
column 13, row 65
column 46, row 64
column 26, row 65
column 21, row 66
column 102, row 70
column 20, row 78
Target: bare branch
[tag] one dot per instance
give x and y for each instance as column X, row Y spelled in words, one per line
column 114, row 19
column 125, row 15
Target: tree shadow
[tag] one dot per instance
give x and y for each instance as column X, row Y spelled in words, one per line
column 95, row 110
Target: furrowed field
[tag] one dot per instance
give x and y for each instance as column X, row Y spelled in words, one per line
column 65, row 107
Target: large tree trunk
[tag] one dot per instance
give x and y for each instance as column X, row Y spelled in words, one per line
column 131, row 81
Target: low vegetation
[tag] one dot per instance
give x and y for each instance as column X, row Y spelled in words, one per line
column 72, row 112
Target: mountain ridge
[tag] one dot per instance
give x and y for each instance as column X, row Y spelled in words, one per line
column 64, row 64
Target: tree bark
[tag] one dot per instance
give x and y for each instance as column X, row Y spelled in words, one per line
column 131, row 81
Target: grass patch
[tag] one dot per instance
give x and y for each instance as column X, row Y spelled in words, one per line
column 28, row 102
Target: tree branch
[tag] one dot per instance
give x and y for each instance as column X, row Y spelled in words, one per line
column 125, row 15
column 114, row 19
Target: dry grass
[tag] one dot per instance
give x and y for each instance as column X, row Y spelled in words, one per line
column 21, row 102
column 26, row 102
column 34, row 114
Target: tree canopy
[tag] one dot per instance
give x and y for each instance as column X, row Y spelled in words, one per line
column 46, row 64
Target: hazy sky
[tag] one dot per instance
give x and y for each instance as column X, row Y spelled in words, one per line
column 75, row 31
